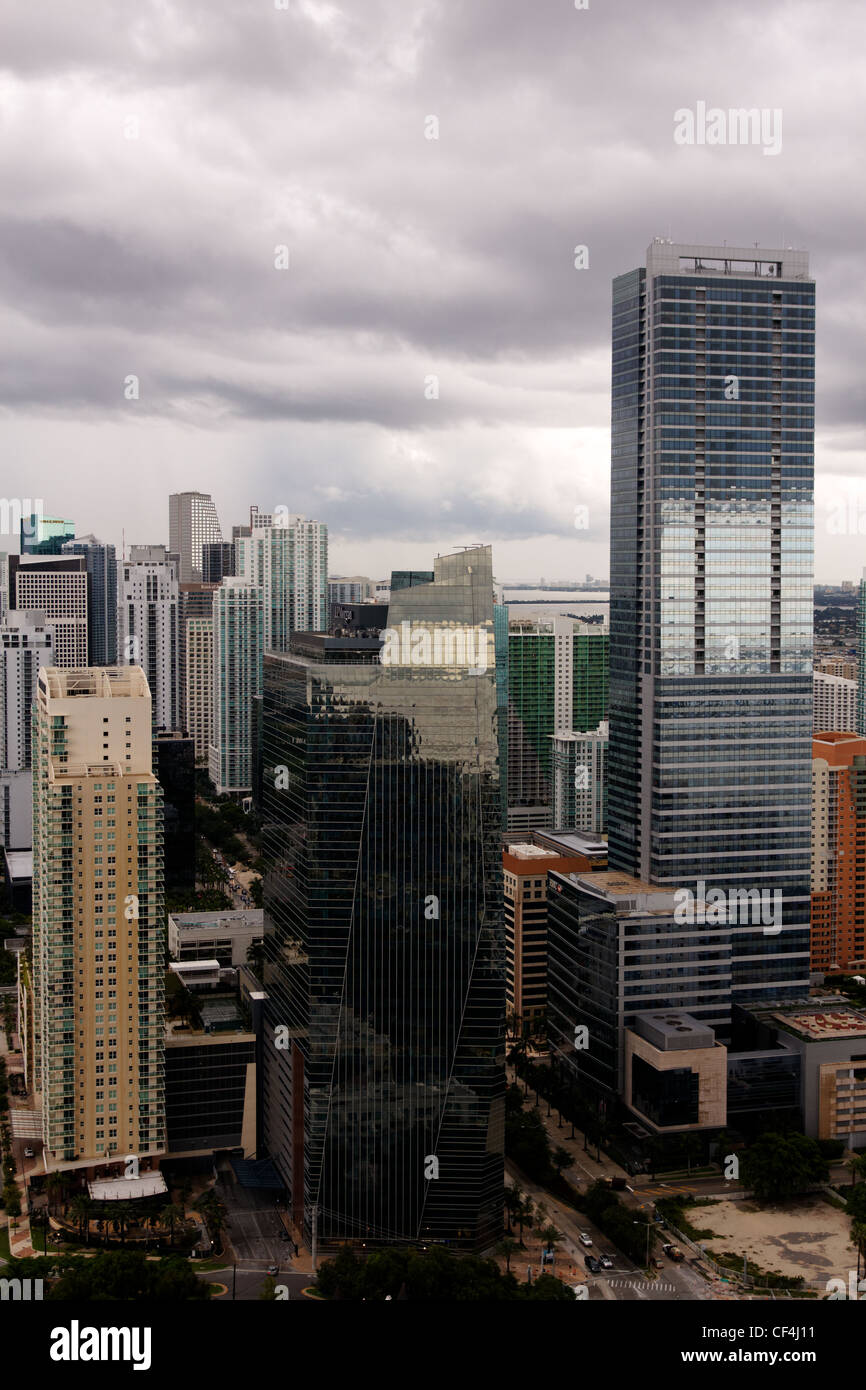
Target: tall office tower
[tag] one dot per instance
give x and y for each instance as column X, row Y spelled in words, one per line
column 384, row 1094
column 709, row 771
column 238, row 647
column 148, row 627
column 260, row 519
column 861, row 657
column 196, row 664
column 580, row 779
column 355, row 588
column 557, row 681
column 26, row 643
column 838, row 851
column 217, row 561
column 192, row 521
column 55, row 586
column 101, row 563
column 834, row 704
column 290, row 565
column 41, row 535
column 98, row 990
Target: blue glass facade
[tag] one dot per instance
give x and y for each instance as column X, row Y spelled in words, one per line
column 101, row 562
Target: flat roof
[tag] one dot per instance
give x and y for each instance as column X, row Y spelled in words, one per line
column 19, row 863
column 127, row 1189
column 824, row 1024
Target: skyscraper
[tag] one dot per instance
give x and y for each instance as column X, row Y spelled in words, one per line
column 148, row 626
column 217, row 561
column 384, row 945
column 238, row 630
column 26, row 643
column 196, row 664
column 711, row 587
column 838, row 852
column 97, row 1042
column 192, row 521
column 101, row 563
column 55, row 586
column 289, row 563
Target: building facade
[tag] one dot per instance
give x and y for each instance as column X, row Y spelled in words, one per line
column 711, row 586
column 98, row 985
column 834, row 704
column 148, row 626
column 192, row 522
column 289, row 563
column 384, row 951
column 838, row 853
column 101, row 563
column 26, row 643
column 238, row 635
column 580, row 779
column 56, row 587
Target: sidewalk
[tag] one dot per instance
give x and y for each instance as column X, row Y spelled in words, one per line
column 586, row 1167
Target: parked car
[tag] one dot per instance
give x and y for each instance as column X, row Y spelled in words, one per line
column 657, row 1263
column 592, row 1264
column 273, row 1270
column 606, row 1262
column 28, row 1152
column 585, row 1238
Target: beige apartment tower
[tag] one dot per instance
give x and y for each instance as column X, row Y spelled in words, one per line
column 98, row 981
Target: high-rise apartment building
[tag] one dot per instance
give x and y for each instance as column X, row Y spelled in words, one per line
column 289, row 563
column 55, row 586
column 192, row 521
column 41, row 535
column 709, row 770
column 834, row 704
column 557, row 681
column 838, row 666
column 355, row 588
column 861, row 657
column 148, row 627
column 101, row 563
column 384, row 950
column 196, row 605
column 98, row 993
column 238, row 636
column 838, row 852
column 26, row 643
column 580, row 779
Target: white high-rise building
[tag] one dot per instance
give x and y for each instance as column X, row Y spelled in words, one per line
column 198, row 675
column 834, row 704
column 56, row 587
column 192, row 521
column 148, row 626
column 289, row 563
column 26, row 643
column 238, row 651
column 579, row 792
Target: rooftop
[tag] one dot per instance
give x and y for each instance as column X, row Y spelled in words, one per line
column 819, row 1026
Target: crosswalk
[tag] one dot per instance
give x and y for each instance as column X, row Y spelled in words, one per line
column 649, row 1285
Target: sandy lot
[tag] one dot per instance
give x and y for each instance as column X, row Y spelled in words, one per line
column 806, row 1236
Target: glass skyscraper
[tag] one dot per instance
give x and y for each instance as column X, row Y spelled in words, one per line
column 711, row 587
column 101, row 562
column 384, row 951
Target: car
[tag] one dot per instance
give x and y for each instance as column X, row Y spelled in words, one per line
column 28, row 1152
column 673, row 1252
column 273, row 1269
column 657, row 1263
column 606, row 1262
column 592, row 1264
column 585, row 1238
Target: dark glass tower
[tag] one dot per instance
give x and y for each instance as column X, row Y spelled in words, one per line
column 101, row 562
column 711, row 587
column 384, row 951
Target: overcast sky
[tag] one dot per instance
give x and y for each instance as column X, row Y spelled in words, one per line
column 155, row 154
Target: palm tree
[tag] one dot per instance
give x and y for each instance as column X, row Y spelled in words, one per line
column 170, row 1216
column 122, row 1218
column 550, row 1236
column 80, row 1208
column 858, row 1238
column 55, row 1186
column 513, row 1198
column 507, row 1247
column 523, row 1210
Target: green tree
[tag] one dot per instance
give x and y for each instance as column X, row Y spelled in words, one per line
column 776, row 1167
column 561, row 1160
column 507, row 1248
